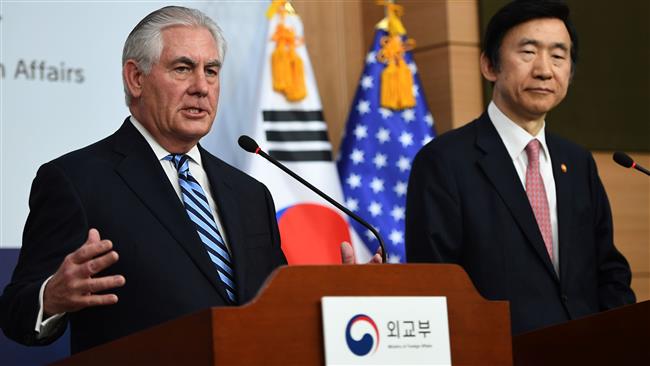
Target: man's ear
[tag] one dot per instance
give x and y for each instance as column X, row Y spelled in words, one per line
column 487, row 69
column 133, row 78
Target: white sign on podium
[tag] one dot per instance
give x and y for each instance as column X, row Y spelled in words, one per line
column 396, row 330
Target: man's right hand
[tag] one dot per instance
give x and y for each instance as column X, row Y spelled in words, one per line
column 73, row 286
column 348, row 256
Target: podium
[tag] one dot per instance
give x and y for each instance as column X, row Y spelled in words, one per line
column 615, row 337
column 283, row 324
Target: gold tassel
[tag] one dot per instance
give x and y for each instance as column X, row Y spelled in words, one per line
column 396, row 79
column 405, row 85
column 280, row 63
column 389, row 95
column 287, row 70
column 297, row 90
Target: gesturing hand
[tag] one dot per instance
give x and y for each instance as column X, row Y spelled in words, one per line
column 73, row 286
column 348, row 257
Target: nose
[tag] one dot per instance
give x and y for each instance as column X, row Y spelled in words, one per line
column 542, row 67
column 199, row 85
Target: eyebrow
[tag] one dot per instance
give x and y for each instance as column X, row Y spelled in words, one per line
column 188, row 61
column 536, row 43
column 213, row 63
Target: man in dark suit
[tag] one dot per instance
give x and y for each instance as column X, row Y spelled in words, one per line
column 522, row 210
column 191, row 231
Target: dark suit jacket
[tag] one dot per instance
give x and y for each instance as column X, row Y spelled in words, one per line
column 466, row 205
column 118, row 186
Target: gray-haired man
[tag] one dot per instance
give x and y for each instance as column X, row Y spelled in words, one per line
column 191, row 231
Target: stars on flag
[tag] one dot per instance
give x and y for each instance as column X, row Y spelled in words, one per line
column 385, row 113
column 429, row 119
column 352, row 204
column 426, row 139
column 396, row 237
column 398, row 213
column 400, row 188
column 371, row 58
column 380, row 160
column 367, row 82
column 370, row 236
column 413, row 68
column 375, row 209
column 377, row 185
column 357, row 157
column 361, row 132
column 383, row 135
column 403, row 163
column 354, row 181
column 363, row 107
column 408, row 115
column 406, row 139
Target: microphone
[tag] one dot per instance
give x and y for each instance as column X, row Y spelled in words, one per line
column 248, row 144
column 626, row 161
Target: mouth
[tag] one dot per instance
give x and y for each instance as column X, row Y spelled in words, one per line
column 194, row 112
column 540, row 90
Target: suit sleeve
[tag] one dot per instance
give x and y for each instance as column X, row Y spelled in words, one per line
column 279, row 257
column 55, row 227
column 433, row 213
column 614, row 275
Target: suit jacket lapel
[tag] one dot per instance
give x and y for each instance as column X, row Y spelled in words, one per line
column 230, row 216
column 563, row 194
column 497, row 166
column 142, row 172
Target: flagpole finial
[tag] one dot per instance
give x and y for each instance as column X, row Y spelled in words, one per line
column 282, row 7
column 392, row 22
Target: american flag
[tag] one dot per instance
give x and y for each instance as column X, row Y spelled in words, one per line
column 375, row 158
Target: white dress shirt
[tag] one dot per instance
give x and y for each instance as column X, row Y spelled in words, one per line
column 196, row 170
column 47, row 326
column 515, row 140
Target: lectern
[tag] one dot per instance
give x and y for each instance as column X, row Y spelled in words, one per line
column 616, row 337
column 283, row 326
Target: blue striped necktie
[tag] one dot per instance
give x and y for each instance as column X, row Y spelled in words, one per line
column 198, row 210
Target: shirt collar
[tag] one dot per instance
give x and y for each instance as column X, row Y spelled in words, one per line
column 513, row 136
column 161, row 153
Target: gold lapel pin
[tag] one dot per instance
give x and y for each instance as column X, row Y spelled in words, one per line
column 563, row 168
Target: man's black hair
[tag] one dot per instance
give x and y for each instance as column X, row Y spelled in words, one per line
column 521, row 11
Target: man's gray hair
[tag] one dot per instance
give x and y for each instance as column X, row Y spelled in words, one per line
column 145, row 44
